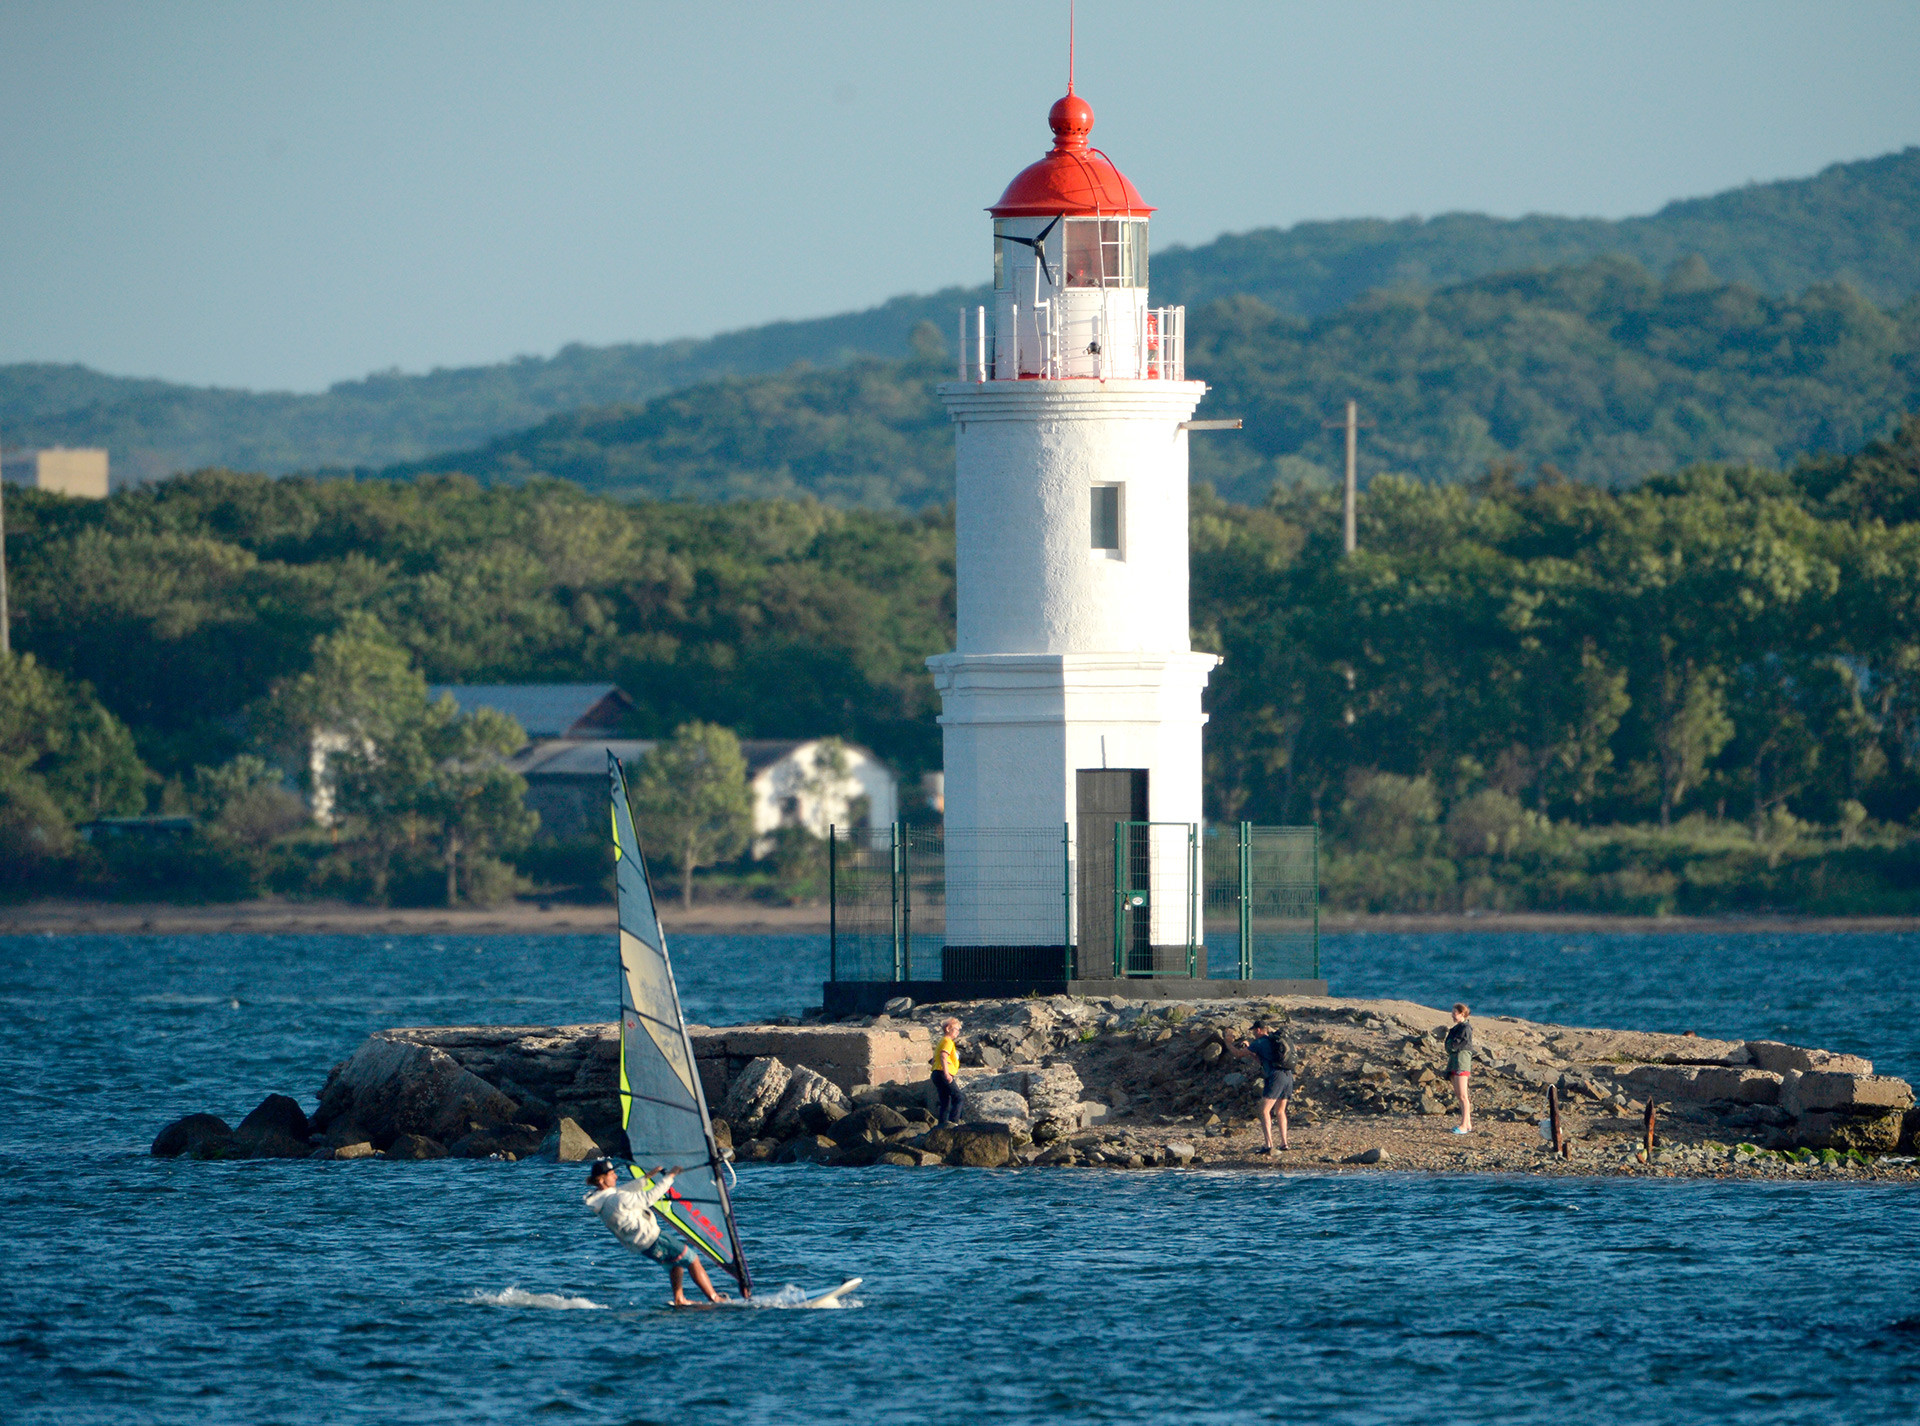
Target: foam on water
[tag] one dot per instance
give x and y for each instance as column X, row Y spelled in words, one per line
column 791, row 1296
column 514, row 1297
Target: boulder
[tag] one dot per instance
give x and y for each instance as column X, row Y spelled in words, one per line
column 820, row 1117
column 754, row 1094
column 1820, row 1090
column 276, row 1114
column 568, row 1143
column 198, row 1136
column 804, row 1088
column 1179, row 1153
column 809, row 1149
column 276, row 1129
column 1054, row 1090
column 907, row 1095
column 391, row 1086
column 1772, row 1055
column 999, row 1107
column 899, row 1158
column 417, row 1146
column 1367, row 1156
column 723, row 1136
column 362, row 1150
column 483, row 1142
column 980, row 1147
column 874, row 1124
column 899, row 1005
column 1873, row 1131
column 1910, row 1131
column 1701, row 1084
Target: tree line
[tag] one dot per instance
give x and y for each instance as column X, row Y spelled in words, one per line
column 1601, row 369
column 1695, row 691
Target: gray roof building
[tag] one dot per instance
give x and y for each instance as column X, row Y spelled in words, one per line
column 547, row 710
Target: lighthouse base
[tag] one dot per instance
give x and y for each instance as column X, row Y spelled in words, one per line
column 869, row 997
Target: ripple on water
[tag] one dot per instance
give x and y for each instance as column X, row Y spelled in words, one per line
column 143, row 1290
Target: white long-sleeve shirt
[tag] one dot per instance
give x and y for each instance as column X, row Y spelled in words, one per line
column 627, row 1210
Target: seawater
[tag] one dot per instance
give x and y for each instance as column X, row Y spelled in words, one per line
column 136, row 1290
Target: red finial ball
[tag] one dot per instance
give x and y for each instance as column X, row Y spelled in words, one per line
column 1072, row 121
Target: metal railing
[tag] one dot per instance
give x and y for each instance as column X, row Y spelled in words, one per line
column 1155, row 350
column 914, row 904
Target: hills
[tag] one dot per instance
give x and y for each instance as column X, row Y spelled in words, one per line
column 1601, row 370
column 1854, row 223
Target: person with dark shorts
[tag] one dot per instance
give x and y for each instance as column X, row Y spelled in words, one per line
column 946, row 1070
column 1276, row 1068
column 1460, row 1063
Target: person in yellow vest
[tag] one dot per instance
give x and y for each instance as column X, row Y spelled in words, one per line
column 946, row 1070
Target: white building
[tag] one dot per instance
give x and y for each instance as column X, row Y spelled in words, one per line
column 64, row 470
column 1072, row 695
column 791, row 783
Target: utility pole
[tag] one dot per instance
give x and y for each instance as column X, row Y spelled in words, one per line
column 1352, row 425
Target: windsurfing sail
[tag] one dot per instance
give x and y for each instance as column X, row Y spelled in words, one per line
column 662, row 1107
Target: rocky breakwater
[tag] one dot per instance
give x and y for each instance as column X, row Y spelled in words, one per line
column 510, row 1092
column 1110, row 1082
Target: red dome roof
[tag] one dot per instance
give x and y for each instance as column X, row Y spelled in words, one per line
column 1073, row 178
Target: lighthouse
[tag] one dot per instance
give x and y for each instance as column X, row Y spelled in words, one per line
column 1071, row 702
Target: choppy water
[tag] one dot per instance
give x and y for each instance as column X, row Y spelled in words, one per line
column 133, row 1290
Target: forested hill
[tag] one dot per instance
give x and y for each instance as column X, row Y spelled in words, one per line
column 1601, row 370
column 1857, row 223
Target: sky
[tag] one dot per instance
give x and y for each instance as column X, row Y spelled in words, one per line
column 282, row 196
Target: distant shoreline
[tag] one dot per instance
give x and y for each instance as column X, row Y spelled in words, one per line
column 338, row 918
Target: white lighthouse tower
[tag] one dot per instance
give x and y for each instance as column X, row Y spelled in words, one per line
column 1072, row 697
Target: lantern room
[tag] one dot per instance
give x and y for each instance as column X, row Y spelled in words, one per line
column 1070, row 271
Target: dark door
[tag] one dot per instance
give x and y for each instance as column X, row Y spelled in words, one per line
column 1104, row 798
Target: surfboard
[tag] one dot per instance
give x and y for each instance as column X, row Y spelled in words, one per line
column 832, row 1299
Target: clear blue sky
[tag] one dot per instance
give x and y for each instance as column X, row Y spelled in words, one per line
column 281, row 196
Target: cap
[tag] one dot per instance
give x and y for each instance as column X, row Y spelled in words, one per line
column 598, row 1167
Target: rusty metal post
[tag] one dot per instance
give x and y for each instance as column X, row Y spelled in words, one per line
column 1650, row 1128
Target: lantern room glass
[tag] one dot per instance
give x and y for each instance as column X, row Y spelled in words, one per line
column 1083, row 252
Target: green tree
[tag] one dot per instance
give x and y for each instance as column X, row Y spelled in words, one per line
column 56, row 735
column 392, row 771
column 475, row 806
column 691, row 794
column 1691, row 726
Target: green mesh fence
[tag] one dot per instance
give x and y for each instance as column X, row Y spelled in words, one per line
column 911, row 903
column 1260, row 901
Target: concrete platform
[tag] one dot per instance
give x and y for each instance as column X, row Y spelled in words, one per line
column 866, row 997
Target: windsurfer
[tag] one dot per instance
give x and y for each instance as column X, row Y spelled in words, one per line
column 628, row 1213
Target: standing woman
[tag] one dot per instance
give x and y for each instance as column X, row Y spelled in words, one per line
column 1460, row 1063
column 946, row 1068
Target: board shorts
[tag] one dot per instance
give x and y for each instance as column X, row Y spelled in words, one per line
column 669, row 1251
column 1279, row 1085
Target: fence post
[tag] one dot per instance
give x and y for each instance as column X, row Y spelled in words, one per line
column 893, row 885
column 833, row 907
column 1193, row 897
column 1246, row 900
column 906, row 901
column 1316, row 901
column 1066, row 901
column 1120, row 879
